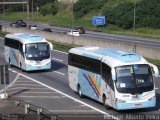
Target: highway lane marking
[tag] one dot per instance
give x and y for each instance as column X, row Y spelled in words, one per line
column 71, row 111
column 26, row 92
column 79, row 106
column 11, row 84
column 15, row 88
column 53, row 71
column 60, row 51
column 57, row 59
column 30, row 85
column 24, row 81
column 34, row 96
column 68, row 96
column 59, row 73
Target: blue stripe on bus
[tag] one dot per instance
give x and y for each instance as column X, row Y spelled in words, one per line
column 12, row 57
column 91, row 85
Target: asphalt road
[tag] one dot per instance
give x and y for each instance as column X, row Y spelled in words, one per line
column 155, row 43
column 51, row 91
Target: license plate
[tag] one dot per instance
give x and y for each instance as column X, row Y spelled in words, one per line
column 38, row 67
column 138, row 105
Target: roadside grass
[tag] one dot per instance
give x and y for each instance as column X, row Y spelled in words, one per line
column 2, row 34
column 153, row 61
column 63, row 46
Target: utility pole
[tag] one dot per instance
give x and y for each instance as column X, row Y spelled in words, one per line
column 4, row 15
column 28, row 10
column 32, row 10
column 72, row 22
column 134, row 26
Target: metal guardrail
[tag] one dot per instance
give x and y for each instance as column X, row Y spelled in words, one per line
column 13, row 2
column 40, row 112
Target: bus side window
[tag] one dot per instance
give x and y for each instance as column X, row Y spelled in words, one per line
column 21, row 48
column 106, row 72
column 106, row 75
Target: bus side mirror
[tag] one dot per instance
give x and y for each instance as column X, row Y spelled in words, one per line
column 113, row 75
column 51, row 46
column 24, row 48
column 155, row 70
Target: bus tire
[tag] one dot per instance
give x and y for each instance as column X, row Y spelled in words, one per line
column 10, row 64
column 104, row 104
column 80, row 92
column 21, row 67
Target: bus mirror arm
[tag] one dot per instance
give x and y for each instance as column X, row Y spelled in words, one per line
column 24, row 49
column 113, row 74
column 156, row 71
column 51, row 46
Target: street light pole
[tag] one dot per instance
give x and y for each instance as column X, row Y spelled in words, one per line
column 32, row 10
column 4, row 15
column 72, row 23
column 134, row 26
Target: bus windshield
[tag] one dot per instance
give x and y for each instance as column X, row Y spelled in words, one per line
column 37, row 51
column 134, row 79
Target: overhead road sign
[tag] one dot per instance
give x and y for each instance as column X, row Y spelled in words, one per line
column 99, row 20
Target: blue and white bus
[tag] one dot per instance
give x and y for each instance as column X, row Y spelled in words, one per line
column 28, row 52
column 118, row 79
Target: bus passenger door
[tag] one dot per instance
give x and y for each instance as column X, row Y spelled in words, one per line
column 106, row 76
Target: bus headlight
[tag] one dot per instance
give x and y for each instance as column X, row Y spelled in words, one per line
column 152, row 98
column 120, row 100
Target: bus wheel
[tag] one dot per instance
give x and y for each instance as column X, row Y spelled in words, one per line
column 80, row 92
column 105, row 105
column 10, row 64
column 21, row 67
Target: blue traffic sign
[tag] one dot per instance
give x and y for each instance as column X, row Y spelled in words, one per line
column 99, row 20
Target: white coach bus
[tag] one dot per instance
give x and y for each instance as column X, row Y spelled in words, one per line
column 118, row 79
column 28, row 52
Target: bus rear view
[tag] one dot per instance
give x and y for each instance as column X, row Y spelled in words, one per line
column 118, row 79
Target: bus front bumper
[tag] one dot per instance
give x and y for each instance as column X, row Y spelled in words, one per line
column 43, row 67
column 136, row 105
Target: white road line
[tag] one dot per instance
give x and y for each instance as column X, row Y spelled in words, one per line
column 30, row 85
column 24, row 81
column 26, row 92
column 25, row 96
column 59, row 73
column 60, row 51
column 79, row 101
column 53, row 71
column 80, row 106
column 71, row 111
column 156, row 88
column 15, row 88
column 11, row 84
column 57, row 59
